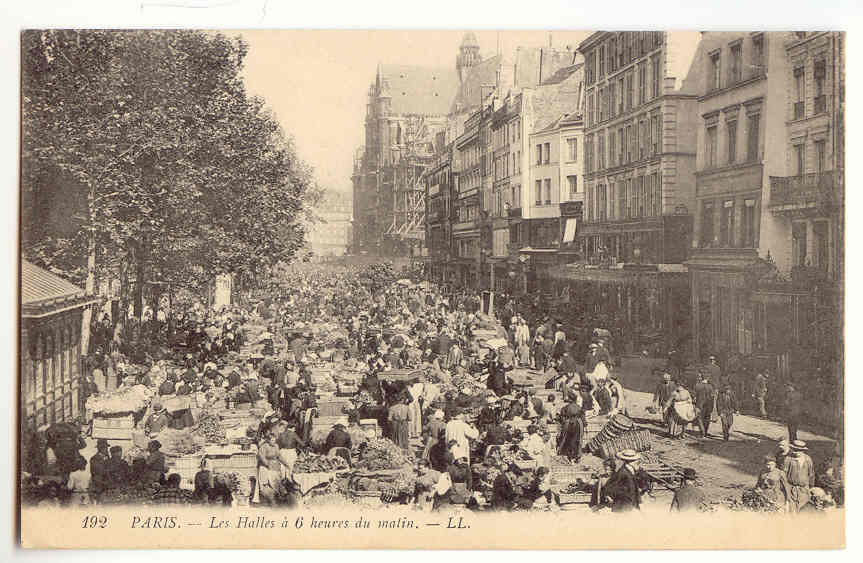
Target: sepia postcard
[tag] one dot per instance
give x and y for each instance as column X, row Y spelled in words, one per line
column 438, row 289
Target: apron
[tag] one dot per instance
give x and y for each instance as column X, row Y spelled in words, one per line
column 290, row 455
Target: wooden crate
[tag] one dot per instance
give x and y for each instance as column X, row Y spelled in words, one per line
column 566, row 474
column 114, row 427
column 333, row 408
column 329, row 421
column 185, row 466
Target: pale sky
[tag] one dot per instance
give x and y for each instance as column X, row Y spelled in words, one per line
column 316, row 82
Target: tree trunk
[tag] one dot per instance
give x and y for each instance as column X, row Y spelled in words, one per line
column 140, row 277
column 90, row 284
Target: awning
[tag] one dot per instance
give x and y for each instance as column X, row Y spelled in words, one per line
column 569, row 231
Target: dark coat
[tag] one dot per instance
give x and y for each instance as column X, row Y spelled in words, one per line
column 623, row 490
column 337, row 438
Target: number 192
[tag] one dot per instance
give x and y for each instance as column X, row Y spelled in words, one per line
column 95, row 522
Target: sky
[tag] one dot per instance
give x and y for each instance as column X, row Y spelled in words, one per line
column 316, row 82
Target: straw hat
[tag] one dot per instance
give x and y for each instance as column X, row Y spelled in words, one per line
column 628, row 455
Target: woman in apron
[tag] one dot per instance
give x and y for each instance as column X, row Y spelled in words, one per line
column 268, row 461
column 680, row 412
column 415, row 426
column 288, row 442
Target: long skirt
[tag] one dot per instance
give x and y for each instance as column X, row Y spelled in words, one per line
column 415, row 423
column 401, row 434
column 676, row 425
column 289, row 456
column 798, row 497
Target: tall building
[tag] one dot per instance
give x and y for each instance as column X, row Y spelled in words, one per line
column 407, row 106
column 768, row 251
column 330, row 234
column 639, row 167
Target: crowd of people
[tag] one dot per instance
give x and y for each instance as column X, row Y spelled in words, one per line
column 459, row 408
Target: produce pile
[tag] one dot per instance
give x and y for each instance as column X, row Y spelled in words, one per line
column 310, row 463
column 180, row 442
column 125, row 399
column 134, row 453
column 210, row 428
column 238, row 484
column 382, row 453
column 752, row 500
column 133, row 494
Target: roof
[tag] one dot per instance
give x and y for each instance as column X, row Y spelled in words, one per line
column 43, row 292
column 552, row 100
column 419, row 90
column 470, row 91
column 532, row 65
column 562, row 74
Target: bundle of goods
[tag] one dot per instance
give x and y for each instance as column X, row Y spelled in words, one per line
column 180, row 442
column 638, row 440
column 579, row 491
column 133, row 453
column 136, row 494
column 615, row 427
column 310, row 463
column 238, row 484
column 752, row 500
column 323, row 380
column 210, row 428
column 381, row 453
column 123, row 400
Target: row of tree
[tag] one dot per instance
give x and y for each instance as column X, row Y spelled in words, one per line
column 144, row 159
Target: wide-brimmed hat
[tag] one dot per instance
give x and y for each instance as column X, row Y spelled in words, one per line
column 666, row 376
column 628, row 455
column 102, row 443
column 689, row 473
column 799, row 445
column 438, row 415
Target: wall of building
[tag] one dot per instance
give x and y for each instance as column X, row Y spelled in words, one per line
column 545, row 172
column 570, row 166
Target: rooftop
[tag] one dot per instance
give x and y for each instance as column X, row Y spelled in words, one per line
column 43, row 292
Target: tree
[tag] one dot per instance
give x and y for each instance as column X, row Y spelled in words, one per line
column 181, row 175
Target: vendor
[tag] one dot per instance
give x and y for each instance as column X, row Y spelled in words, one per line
column 155, row 466
column 167, row 387
column 338, row 438
column 288, row 443
column 116, row 469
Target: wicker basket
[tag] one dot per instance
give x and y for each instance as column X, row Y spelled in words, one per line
column 566, row 474
column 366, row 498
column 574, row 498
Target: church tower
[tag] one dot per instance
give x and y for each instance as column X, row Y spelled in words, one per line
column 468, row 55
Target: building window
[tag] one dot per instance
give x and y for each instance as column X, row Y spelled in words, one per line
column 752, row 137
column 639, row 182
column 629, row 90
column 798, row 244
column 612, row 52
column 539, row 192
column 799, row 93
column 590, row 109
column 547, row 157
column 707, row 235
column 572, row 149
column 821, row 245
column 657, row 194
column 731, row 129
column 799, row 159
column 820, row 156
column 539, row 154
column 758, row 54
column 572, row 182
column 655, row 134
column 601, row 203
column 621, row 200
column 820, row 99
column 628, row 143
column 611, row 146
column 621, row 141
column 642, row 82
column 601, row 150
column 749, row 223
column 736, row 63
column 620, row 99
column 710, row 143
column 601, row 61
column 715, row 70
column 548, row 191
column 648, row 195
column 726, row 225
column 643, row 142
column 589, row 203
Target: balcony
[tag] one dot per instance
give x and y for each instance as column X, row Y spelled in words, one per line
column 799, row 109
column 796, row 193
column 820, row 104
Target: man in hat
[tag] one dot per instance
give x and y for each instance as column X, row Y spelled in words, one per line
column 167, row 387
column 618, row 395
column 793, row 410
column 100, row 480
column 689, row 497
column 714, row 372
column 158, row 419
column 705, row 394
column 663, row 391
column 800, row 472
column 761, row 393
column 623, row 488
column 460, row 432
column 726, row 405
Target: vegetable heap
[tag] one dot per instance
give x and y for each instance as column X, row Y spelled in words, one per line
column 125, row 399
column 310, row 463
column 382, row 453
